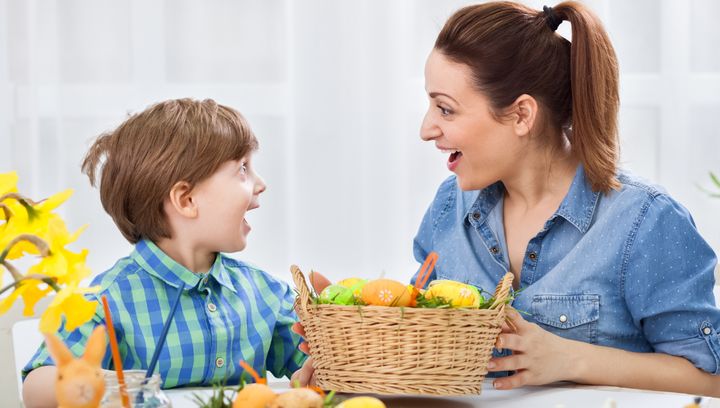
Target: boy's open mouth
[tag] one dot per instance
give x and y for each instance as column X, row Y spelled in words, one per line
column 454, row 156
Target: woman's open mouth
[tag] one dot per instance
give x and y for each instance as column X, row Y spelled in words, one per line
column 454, row 160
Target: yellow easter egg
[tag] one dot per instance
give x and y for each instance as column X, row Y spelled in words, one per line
column 349, row 282
column 386, row 292
column 459, row 294
column 362, row 402
column 356, row 284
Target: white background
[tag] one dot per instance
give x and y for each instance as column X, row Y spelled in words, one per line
column 334, row 92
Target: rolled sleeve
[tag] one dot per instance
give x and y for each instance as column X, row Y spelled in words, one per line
column 668, row 282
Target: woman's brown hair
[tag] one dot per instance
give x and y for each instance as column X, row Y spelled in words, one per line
column 514, row 50
column 169, row 142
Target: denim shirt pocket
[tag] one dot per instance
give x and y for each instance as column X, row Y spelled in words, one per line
column 570, row 316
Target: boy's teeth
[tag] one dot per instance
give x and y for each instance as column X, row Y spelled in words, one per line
column 445, row 151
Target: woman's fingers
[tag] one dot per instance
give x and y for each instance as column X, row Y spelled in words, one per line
column 514, row 381
column 511, row 342
column 510, row 363
column 304, row 347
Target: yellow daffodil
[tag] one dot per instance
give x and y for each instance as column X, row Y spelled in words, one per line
column 39, row 221
column 71, row 302
column 27, row 227
column 458, row 293
column 30, row 291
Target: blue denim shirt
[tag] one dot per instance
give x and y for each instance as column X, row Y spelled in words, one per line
column 627, row 269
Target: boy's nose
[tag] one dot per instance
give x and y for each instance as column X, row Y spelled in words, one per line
column 429, row 130
column 260, row 185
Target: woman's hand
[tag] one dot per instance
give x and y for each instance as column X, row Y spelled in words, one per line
column 539, row 357
column 306, row 374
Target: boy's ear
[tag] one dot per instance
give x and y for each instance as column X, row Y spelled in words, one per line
column 96, row 346
column 182, row 201
column 59, row 352
column 525, row 113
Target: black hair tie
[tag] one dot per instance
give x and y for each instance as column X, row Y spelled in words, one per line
column 551, row 17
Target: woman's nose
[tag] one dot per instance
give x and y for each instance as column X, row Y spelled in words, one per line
column 429, row 130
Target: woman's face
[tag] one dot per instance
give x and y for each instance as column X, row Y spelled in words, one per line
column 481, row 150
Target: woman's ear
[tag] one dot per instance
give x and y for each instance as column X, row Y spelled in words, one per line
column 181, row 200
column 525, row 113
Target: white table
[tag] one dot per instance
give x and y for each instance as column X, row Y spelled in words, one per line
column 556, row 396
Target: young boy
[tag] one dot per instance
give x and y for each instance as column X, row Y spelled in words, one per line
column 177, row 179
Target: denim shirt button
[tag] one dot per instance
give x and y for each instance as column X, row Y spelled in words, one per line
column 476, row 216
column 494, row 250
column 563, row 318
column 707, row 331
column 532, row 256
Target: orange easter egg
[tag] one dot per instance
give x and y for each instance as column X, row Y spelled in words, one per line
column 254, row 396
column 386, row 292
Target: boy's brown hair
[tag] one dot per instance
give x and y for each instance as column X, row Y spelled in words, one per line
column 169, row 142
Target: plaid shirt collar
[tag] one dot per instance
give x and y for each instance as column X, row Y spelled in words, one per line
column 157, row 263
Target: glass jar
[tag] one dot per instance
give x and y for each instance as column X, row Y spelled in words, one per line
column 142, row 392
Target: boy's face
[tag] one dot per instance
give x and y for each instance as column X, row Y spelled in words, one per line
column 222, row 200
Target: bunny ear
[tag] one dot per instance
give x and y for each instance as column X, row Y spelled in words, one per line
column 59, row 352
column 96, row 346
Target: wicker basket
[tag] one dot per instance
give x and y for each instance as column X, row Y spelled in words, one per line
column 396, row 350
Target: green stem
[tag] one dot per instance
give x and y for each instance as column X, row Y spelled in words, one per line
column 49, row 281
column 17, row 276
column 24, row 201
column 41, row 245
column 6, row 210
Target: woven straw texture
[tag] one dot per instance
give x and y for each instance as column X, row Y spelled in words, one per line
column 394, row 350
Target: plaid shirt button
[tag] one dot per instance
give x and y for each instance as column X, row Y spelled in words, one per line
column 212, row 307
column 219, row 362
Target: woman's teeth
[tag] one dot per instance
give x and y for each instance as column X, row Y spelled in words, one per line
column 446, row 151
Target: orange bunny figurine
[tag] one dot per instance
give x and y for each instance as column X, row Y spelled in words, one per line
column 80, row 381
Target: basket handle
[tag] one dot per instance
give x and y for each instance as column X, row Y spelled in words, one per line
column 503, row 290
column 303, row 298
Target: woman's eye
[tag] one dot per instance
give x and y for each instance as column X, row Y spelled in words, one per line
column 443, row 111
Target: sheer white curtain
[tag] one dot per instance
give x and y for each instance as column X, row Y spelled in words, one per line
column 334, row 91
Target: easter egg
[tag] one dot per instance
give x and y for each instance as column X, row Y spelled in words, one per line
column 386, row 292
column 298, row 398
column 329, row 294
column 362, row 402
column 458, row 293
column 350, row 282
column 254, row 396
column 355, row 284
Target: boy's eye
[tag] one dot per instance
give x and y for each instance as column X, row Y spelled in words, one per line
column 243, row 168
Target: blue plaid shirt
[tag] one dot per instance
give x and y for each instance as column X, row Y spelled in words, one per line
column 231, row 313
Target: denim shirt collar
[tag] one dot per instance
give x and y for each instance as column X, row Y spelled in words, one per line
column 157, row 263
column 577, row 207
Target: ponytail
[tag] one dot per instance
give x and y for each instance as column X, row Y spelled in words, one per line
column 595, row 99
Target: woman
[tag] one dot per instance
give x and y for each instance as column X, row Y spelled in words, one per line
column 617, row 282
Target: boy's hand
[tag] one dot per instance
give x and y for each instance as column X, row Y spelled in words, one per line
column 306, row 374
